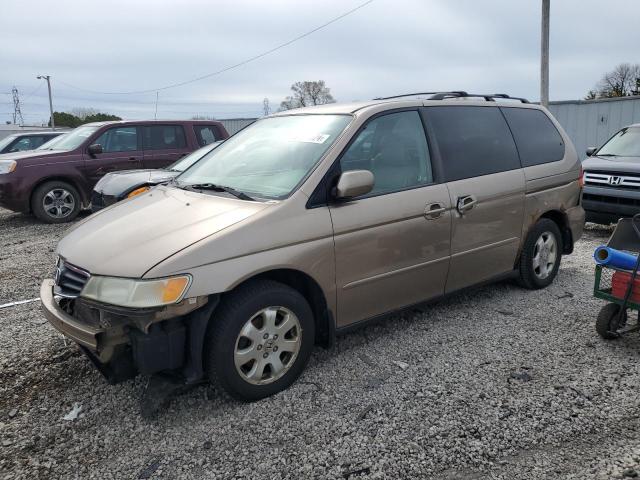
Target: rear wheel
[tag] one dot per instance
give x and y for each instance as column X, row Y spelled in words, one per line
column 259, row 340
column 56, row 202
column 541, row 255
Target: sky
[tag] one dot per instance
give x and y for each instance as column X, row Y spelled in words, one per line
column 92, row 49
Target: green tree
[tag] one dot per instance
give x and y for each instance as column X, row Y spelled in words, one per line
column 66, row 119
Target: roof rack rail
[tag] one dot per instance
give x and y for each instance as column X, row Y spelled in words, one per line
column 489, row 97
column 457, row 94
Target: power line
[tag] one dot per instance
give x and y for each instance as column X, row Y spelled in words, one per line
column 231, row 67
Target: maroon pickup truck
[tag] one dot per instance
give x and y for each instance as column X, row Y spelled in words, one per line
column 56, row 184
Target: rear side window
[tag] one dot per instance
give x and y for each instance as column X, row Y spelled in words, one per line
column 206, row 134
column 164, row 137
column 473, row 141
column 27, row 143
column 537, row 138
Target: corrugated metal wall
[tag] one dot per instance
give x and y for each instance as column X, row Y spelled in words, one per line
column 590, row 123
column 234, row 124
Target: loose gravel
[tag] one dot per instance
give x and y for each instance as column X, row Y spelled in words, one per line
column 495, row 383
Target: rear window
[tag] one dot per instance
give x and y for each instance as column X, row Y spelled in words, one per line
column 473, row 141
column 164, row 137
column 537, row 138
column 206, row 134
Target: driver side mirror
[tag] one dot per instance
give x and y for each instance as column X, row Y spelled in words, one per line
column 354, row 183
column 94, row 149
column 591, row 151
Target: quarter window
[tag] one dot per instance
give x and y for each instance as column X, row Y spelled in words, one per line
column 164, row 137
column 394, row 148
column 206, row 134
column 537, row 138
column 473, row 141
column 119, row 139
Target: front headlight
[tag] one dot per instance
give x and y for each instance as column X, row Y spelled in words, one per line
column 127, row 292
column 7, row 166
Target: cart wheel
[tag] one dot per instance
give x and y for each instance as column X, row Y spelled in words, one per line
column 608, row 321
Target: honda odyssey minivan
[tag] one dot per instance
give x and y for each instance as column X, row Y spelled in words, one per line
column 309, row 222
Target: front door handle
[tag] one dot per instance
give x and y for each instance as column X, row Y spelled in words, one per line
column 133, row 159
column 466, row 202
column 434, row 211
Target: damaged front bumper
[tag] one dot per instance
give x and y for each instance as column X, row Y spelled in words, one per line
column 122, row 342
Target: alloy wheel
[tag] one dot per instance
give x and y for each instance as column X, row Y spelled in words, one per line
column 59, row 203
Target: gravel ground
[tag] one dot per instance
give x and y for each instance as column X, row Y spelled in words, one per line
column 496, row 383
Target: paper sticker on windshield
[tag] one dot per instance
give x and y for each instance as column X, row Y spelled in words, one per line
column 317, row 138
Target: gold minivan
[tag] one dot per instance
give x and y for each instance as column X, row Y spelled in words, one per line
column 311, row 221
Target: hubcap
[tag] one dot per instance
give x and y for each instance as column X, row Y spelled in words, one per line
column 58, row 203
column 267, row 345
column 545, row 254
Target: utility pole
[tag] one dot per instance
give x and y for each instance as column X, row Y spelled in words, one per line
column 266, row 108
column 48, row 79
column 544, row 55
column 17, row 113
column 155, row 115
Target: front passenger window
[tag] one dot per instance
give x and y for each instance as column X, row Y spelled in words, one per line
column 119, row 139
column 394, row 148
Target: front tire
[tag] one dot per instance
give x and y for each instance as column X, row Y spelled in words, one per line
column 541, row 255
column 259, row 340
column 56, row 202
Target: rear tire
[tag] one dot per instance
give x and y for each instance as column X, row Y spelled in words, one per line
column 608, row 321
column 259, row 340
column 56, row 202
column 541, row 255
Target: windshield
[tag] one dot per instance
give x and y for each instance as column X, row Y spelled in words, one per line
column 625, row 143
column 269, row 158
column 6, row 141
column 48, row 145
column 185, row 162
column 74, row 139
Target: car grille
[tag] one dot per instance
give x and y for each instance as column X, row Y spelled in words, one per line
column 69, row 280
column 612, row 180
column 611, row 200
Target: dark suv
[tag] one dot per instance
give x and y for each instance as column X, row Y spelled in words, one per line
column 56, row 184
column 612, row 178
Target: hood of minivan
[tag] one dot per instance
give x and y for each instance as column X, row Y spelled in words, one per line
column 132, row 236
column 612, row 164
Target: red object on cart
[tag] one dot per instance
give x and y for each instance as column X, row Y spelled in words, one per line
column 620, row 283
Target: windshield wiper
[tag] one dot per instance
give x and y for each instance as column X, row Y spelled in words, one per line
column 217, row 188
column 606, row 155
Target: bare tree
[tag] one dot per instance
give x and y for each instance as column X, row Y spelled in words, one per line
column 83, row 112
column 306, row 94
column 622, row 81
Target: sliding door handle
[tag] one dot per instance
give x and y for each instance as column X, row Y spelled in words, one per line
column 465, row 203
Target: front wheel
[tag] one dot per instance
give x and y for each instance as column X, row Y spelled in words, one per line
column 259, row 340
column 541, row 255
column 56, row 202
